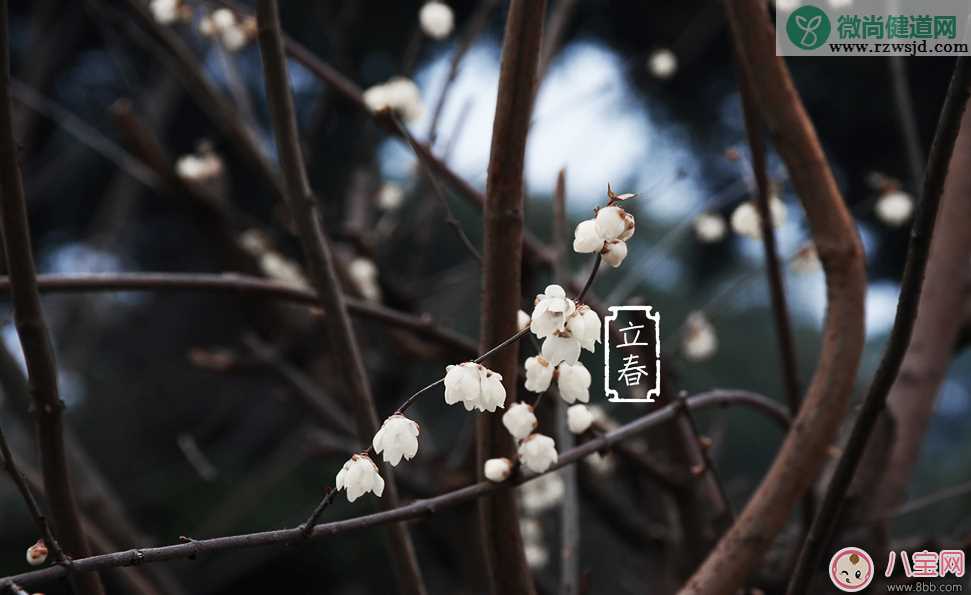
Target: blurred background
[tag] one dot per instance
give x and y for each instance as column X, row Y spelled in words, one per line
column 188, row 411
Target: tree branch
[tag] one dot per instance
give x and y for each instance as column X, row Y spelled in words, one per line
column 910, row 290
column 803, row 452
column 34, row 335
column 323, row 274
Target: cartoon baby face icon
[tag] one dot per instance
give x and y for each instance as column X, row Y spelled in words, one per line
column 851, row 569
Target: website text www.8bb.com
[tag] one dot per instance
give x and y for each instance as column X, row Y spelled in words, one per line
column 926, row 587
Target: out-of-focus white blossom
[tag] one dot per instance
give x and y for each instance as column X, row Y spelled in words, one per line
column 614, row 223
column 37, row 553
column 523, row 319
column 578, row 418
column 539, row 374
column 787, row 5
column 475, row 386
column 497, row 470
column 614, row 253
column 895, row 208
column 551, row 311
column 584, row 325
column 232, row 33
column 573, row 382
column 602, row 418
column 561, row 347
column 586, row 239
column 709, row 227
column 600, row 464
column 534, row 547
column 280, row 269
column 541, row 494
column 398, row 437
column 537, row 555
column 437, row 20
column 390, row 196
column 400, row 95
column 746, row 220
column 662, row 63
column 364, row 274
column 165, row 12
column 538, row 452
column 358, row 476
column 520, row 420
column 199, row 167
column 700, row 341
column 806, row 259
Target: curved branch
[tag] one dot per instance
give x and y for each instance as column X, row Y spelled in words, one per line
column 418, row 509
column 804, row 450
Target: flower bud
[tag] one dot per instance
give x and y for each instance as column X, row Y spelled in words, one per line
column 37, row 553
column 497, row 470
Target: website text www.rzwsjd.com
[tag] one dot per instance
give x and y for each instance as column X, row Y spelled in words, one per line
column 926, row 587
column 912, row 48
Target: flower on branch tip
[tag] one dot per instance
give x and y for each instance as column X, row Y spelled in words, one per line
column 398, row 437
column 37, row 553
column 614, row 252
column 400, row 95
column 437, row 19
column 700, row 341
column 538, row 452
column 358, row 476
column 523, row 319
column 573, row 382
column 895, row 208
column 475, row 386
column 551, row 310
column 539, row 374
column 586, row 239
column 561, row 347
column 584, row 325
column 497, row 470
column 614, row 223
column 520, row 420
column 578, row 419
column 709, row 227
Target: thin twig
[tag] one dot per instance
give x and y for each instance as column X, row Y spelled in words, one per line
column 704, row 452
column 323, row 273
column 189, row 549
column 34, row 335
column 589, row 283
column 910, row 289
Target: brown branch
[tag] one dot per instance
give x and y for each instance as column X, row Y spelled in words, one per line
column 34, row 336
column 323, row 273
column 189, row 549
column 804, row 450
column 911, row 284
column 501, row 280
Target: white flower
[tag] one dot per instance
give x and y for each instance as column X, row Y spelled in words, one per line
column 475, row 386
column 578, row 419
column 573, row 382
column 234, row 38
column 223, row 18
column 358, row 476
column 37, row 553
column 520, row 420
column 199, row 167
column 599, row 464
column 614, row 223
column 398, row 437
column 614, row 253
column 561, row 347
column 398, row 94
column 709, row 227
column 390, row 196
column 584, row 325
column 539, row 495
column 364, row 274
column 746, row 220
column 497, row 470
column 280, row 269
column 586, row 239
column 895, row 208
column 523, row 319
column 539, row 374
column 165, row 12
column 538, row 452
column 662, row 63
column 537, row 556
column 806, row 259
column 551, row 311
column 700, row 341
column 436, row 19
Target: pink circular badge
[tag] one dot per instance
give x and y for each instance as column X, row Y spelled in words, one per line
column 851, row 569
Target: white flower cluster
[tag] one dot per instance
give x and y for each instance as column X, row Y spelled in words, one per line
column 223, row 25
column 475, row 386
column 607, row 233
column 437, row 20
column 400, row 95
